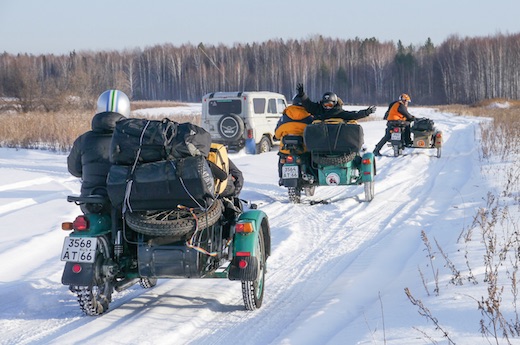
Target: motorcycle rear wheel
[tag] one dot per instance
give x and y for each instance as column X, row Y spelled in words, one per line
column 173, row 222
column 95, row 299
column 295, row 194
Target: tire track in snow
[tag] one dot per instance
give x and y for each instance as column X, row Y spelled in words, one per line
column 365, row 230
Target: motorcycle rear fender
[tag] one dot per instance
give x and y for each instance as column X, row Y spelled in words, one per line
column 99, row 224
column 290, row 182
column 437, row 139
column 83, row 278
column 367, row 167
column 244, row 246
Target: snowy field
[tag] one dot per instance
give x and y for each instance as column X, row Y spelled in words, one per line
column 337, row 274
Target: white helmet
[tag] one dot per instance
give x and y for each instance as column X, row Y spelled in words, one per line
column 114, row 101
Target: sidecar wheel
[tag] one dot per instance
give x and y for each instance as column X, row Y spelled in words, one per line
column 253, row 291
column 397, row 151
column 95, row 299
column 172, row 222
column 147, row 283
column 369, row 190
column 309, row 191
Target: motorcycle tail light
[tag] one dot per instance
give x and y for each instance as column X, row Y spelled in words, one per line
column 439, row 135
column 289, row 159
column 366, row 161
column 249, row 134
column 244, row 228
column 396, row 129
column 80, row 223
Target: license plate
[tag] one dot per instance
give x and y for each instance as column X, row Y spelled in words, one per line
column 79, row 249
column 396, row 136
column 290, row 171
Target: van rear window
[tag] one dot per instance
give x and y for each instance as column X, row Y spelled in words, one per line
column 225, row 106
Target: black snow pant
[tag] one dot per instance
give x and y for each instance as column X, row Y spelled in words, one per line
column 387, row 136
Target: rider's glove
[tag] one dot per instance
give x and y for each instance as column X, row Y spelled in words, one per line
column 299, row 88
column 370, row 110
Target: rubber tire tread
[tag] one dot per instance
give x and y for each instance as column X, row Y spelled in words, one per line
column 144, row 223
column 335, row 159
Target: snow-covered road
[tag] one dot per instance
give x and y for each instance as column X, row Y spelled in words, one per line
column 336, row 274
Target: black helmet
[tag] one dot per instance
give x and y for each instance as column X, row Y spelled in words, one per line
column 329, row 100
column 297, row 100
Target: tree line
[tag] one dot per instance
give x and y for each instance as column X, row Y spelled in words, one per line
column 361, row 71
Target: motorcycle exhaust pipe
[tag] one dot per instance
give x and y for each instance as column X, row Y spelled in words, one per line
column 125, row 284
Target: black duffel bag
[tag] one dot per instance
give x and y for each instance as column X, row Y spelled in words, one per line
column 162, row 185
column 191, row 140
column 333, row 138
column 142, row 140
column 422, row 124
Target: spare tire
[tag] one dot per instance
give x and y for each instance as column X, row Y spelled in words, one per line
column 334, row 159
column 231, row 127
column 172, row 222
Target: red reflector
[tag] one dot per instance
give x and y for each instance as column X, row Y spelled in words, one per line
column 80, row 223
column 366, row 173
column 289, row 159
column 243, row 254
column 249, row 134
column 76, row 268
column 242, row 264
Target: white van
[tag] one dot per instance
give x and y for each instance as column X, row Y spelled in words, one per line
column 242, row 119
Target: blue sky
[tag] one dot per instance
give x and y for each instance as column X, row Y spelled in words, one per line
column 59, row 26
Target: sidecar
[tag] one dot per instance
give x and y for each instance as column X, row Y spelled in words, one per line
column 335, row 159
column 423, row 133
column 165, row 220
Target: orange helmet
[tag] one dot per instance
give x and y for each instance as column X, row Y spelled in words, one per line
column 405, row 97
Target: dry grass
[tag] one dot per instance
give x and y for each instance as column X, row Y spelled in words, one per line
column 156, row 104
column 57, row 130
column 500, row 137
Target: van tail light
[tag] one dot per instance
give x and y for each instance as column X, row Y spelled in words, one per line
column 249, row 134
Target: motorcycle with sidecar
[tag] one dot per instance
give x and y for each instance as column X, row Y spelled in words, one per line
column 424, row 135
column 163, row 219
column 328, row 154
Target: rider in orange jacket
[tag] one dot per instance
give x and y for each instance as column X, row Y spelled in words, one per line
column 293, row 122
column 397, row 111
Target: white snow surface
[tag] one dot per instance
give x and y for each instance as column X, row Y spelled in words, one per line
column 336, row 275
